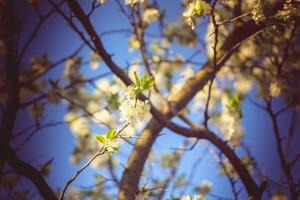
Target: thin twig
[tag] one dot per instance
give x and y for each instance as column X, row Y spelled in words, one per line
column 101, row 151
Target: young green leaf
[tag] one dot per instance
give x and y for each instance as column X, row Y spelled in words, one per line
column 137, row 80
column 199, row 9
column 111, row 134
column 110, row 153
column 143, row 80
column 149, row 83
column 101, row 138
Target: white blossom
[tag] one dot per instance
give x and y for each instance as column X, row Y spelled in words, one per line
column 78, row 125
column 130, row 92
column 134, row 110
column 94, row 60
column 111, row 145
column 257, row 12
column 275, row 89
column 194, row 197
column 188, row 15
column 134, row 43
column 279, row 196
column 205, row 187
column 102, row 1
column 288, row 11
column 100, row 115
column 243, row 85
column 187, row 73
column 150, row 15
column 230, row 125
column 133, row 2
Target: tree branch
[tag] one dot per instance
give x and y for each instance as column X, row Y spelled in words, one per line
column 27, row 171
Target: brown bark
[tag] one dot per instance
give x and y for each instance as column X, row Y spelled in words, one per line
column 26, row 170
column 9, row 27
column 137, row 159
column 250, row 185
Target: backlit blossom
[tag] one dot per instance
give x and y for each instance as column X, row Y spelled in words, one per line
column 205, row 187
column 194, row 9
column 188, row 15
column 279, row 196
column 132, row 2
column 94, row 60
column 112, row 145
column 130, row 92
column 275, row 89
column 150, row 15
column 134, row 44
column 134, row 110
column 78, row 125
column 194, row 197
column 230, row 125
column 289, row 10
column 257, row 12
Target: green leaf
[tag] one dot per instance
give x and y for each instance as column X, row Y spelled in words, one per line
column 101, row 138
column 149, row 83
column 137, row 80
column 199, row 9
column 114, row 100
column 143, row 80
column 174, row 198
column 111, row 134
column 235, row 105
column 232, row 103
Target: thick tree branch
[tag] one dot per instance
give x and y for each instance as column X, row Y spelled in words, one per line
column 8, row 31
column 27, row 171
column 248, row 181
column 9, row 28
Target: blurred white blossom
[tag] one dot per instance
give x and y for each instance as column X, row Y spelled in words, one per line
column 205, row 187
column 194, row 197
column 131, row 2
column 258, row 12
column 78, row 125
column 275, row 89
column 150, row 15
column 94, row 60
column 130, row 92
column 111, row 145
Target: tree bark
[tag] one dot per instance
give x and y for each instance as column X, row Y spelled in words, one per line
column 135, row 164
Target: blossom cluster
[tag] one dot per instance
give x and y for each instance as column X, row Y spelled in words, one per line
column 132, row 111
column 150, row 15
column 194, row 9
column 289, row 10
column 257, row 12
